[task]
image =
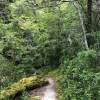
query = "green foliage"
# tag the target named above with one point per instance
(26, 96)
(7, 72)
(5, 11)
(79, 80)
(35, 34)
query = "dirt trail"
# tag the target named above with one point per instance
(46, 92)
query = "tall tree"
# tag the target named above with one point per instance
(98, 12)
(82, 24)
(89, 16)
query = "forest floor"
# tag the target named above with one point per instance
(49, 91)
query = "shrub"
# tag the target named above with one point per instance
(79, 80)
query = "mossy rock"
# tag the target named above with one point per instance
(23, 84)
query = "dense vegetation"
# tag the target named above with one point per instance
(62, 35)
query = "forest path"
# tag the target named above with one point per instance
(47, 92)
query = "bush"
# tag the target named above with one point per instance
(6, 71)
(79, 80)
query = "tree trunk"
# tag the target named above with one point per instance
(98, 12)
(82, 24)
(89, 16)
